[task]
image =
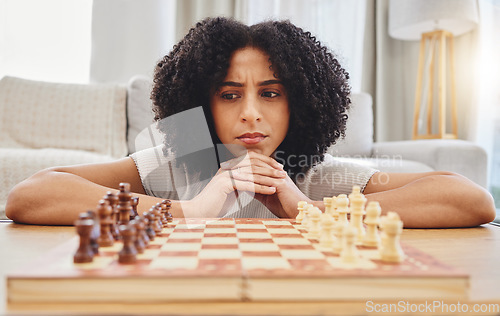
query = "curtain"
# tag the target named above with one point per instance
(128, 36)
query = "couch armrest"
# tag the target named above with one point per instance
(457, 156)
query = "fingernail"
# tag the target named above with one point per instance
(224, 165)
(280, 165)
(282, 173)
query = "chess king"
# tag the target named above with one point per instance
(251, 113)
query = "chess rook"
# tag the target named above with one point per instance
(128, 254)
(392, 227)
(84, 253)
(105, 211)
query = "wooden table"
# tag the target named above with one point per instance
(475, 250)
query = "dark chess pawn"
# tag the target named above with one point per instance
(144, 224)
(134, 202)
(139, 242)
(85, 253)
(151, 223)
(155, 218)
(113, 202)
(105, 212)
(128, 254)
(168, 205)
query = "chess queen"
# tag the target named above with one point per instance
(247, 114)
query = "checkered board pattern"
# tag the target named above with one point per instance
(259, 254)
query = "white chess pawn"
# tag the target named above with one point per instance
(372, 239)
(328, 205)
(327, 239)
(342, 207)
(357, 204)
(338, 230)
(392, 227)
(305, 219)
(349, 253)
(300, 207)
(314, 226)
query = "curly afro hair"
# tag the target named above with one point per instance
(316, 84)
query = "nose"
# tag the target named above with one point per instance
(250, 111)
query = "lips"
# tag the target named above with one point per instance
(251, 138)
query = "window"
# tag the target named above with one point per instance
(46, 40)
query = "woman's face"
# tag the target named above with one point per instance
(250, 108)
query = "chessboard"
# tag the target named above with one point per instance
(232, 260)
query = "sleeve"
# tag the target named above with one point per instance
(156, 172)
(334, 176)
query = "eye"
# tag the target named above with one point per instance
(270, 94)
(229, 96)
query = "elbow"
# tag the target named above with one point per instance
(479, 204)
(485, 209)
(21, 201)
(15, 209)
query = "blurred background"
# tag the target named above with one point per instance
(109, 41)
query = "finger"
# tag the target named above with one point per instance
(257, 170)
(258, 179)
(269, 160)
(252, 187)
(251, 158)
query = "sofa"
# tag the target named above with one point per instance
(45, 124)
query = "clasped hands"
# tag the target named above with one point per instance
(256, 174)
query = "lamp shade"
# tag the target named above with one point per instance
(408, 19)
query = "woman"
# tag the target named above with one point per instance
(276, 99)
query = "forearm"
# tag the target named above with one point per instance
(438, 201)
(57, 198)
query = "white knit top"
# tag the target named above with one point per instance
(162, 177)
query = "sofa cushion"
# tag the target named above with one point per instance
(358, 140)
(139, 110)
(36, 114)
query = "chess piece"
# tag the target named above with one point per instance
(142, 231)
(168, 205)
(151, 223)
(327, 202)
(390, 249)
(95, 232)
(104, 212)
(326, 239)
(314, 226)
(357, 201)
(349, 253)
(300, 208)
(372, 219)
(84, 253)
(139, 241)
(158, 227)
(305, 219)
(124, 205)
(338, 230)
(163, 212)
(134, 202)
(113, 202)
(128, 254)
(342, 207)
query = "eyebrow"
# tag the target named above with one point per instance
(238, 84)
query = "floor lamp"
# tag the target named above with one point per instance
(434, 23)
